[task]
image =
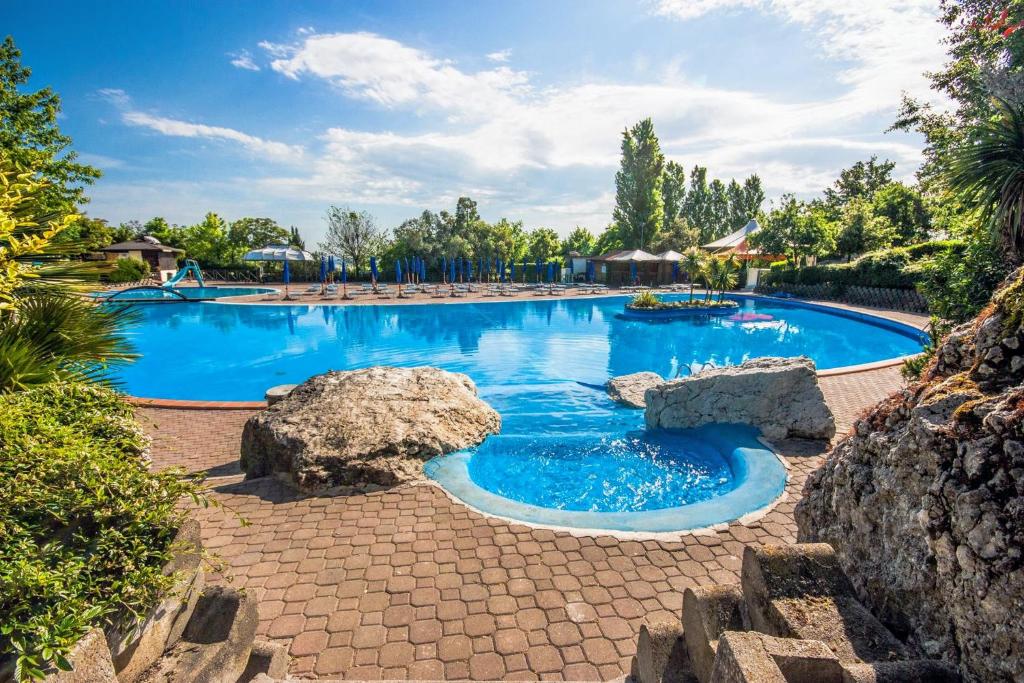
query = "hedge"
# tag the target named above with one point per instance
(896, 268)
(85, 528)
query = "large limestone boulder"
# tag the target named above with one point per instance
(371, 426)
(780, 396)
(924, 503)
(629, 389)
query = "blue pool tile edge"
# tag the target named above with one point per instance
(759, 473)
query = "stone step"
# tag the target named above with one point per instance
(661, 655)
(930, 670)
(800, 591)
(134, 650)
(749, 657)
(266, 658)
(216, 643)
(707, 613)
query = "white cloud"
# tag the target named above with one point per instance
(119, 98)
(370, 67)
(499, 56)
(243, 60)
(278, 151)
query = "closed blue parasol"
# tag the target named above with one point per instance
(323, 269)
(444, 270)
(451, 269)
(398, 271)
(287, 277)
(423, 269)
(537, 265)
(469, 270)
(344, 279)
(512, 267)
(572, 265)
(551, 271)
(632, 272)
(675, 271)
(525, 266)
(373, 269)
(501, 270)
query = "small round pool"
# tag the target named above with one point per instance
(633, 472)
(648, 482)
(154, 294)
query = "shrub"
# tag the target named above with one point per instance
(958, 284)
(128, 270)
(85, 526)
(895, 268)
(645, 300)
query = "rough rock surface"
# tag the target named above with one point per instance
(780, 396)
(372, 426)
(924, 502)
(629, 389)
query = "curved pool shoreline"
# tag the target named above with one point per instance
(760, 476)
(874, 317)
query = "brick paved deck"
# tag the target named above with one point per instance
(408, 584)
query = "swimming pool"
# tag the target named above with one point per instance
(541, 364)
(158, 294)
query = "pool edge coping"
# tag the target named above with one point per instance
(186, 404)
(747, 518)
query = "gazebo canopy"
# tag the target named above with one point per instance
(737, 241)
(279, 252)
(670, 255)
(626, 255)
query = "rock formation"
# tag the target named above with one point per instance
(924, 502)
(780, 396)
(629, 389)
(372, 426)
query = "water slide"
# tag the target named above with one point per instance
(190, 267)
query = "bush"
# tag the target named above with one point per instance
(85, 526)
(128, 270)
(896, 268)
(958, 284)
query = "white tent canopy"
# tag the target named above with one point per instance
(670, 255)
(279, 252)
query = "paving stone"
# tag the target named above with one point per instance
(349, 566)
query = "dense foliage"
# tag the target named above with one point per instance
(47, 329)
(899, 267)
(30, 137)
(85, 527)
(128, 270)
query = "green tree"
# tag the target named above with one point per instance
(862, 179)
(796, 230)
(168, 234)
(692, 264)
(86, 235)
(580, 240)
(353, 235)
(207, 241)
(905, 210)
(609, 240)
(295, 239)
(753, 198)
(255, 233)
(989, 175)
(673, 192)
(860, 230)
(544, 245)
(30, 137)
(678, 237)
(125, 232)
(697, 206)
(639, 207)
(718, 210)
(508, 240)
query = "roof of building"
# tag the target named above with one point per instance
(670, 255)
(736, 239)
(626, 255)
(141, 245)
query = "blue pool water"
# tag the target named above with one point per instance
(198, 293)
(541, 364)
(632, 472)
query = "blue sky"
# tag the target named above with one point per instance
(281, 109)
